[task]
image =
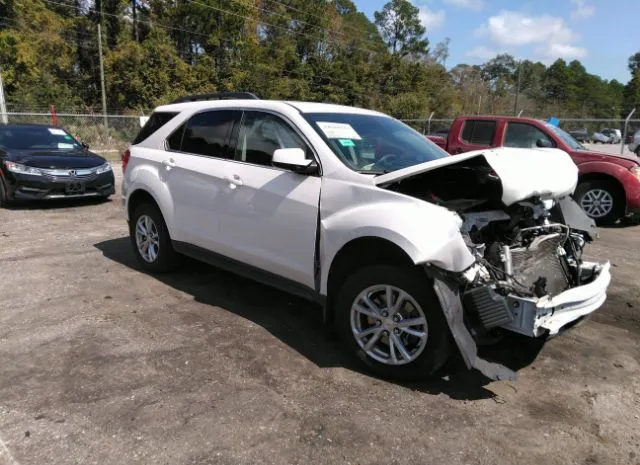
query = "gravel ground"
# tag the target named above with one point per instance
(100, 363)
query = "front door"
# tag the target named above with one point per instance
(271, 218)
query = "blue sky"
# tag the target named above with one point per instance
(601, 34)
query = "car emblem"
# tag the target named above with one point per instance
(72, 173)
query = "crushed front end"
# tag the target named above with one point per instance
(529, 276)
(525, 235)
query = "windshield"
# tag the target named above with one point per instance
(566, 137)
(373, 144)
(36, 137)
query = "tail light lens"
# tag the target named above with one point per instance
(125, 159)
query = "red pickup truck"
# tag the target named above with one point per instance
(608, 185)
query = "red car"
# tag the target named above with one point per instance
(608, 187)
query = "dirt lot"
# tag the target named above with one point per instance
(100, 363)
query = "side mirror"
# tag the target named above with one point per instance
(84, 145)
(294, 160)
(543, 143)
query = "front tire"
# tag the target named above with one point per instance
(151, 241)
(5, 202)
(390, 318)
(601, 200)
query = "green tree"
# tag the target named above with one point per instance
(401, 29)
(556, 82)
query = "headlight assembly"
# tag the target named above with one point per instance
(103, 168)
(22, 169)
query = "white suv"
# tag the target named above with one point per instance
(411, 252)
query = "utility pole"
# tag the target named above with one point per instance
(135, 20)
(104, 96)
(515, 105)
(624, 133)
(3, 107)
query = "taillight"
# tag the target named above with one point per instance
(125, 159)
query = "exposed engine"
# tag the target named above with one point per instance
(523, 250)
(520, 251)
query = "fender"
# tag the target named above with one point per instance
(603, 167)
(630, 184)
(149, 180)
(427, 233)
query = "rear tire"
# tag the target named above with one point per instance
(427, 346)
(151, 241)
(601, 200)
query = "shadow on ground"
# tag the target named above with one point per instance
(55, 204)
(298, 323)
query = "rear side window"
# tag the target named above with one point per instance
(174, 141)
(155, 122)
(207, 133)
(479, 132)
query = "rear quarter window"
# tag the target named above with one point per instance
(155, 122)
(478, 132)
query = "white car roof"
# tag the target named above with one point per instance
(303, 107)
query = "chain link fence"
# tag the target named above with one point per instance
(103, 134)
(434, 126)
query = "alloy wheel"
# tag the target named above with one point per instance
(389, 325)
(597, 203)
(147, 239)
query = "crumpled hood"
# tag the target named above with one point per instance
(523, 173)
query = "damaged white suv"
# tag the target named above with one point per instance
(411, 252)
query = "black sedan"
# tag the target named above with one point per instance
(46, 162)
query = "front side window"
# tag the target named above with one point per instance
(373, 144)
(566, 137)
(207, 134)
(524, 135)
(261, 134)
(479, 132)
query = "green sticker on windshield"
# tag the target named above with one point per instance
(347, 142)
(68, 137)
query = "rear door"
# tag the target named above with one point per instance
(195, 169)
(475, 134)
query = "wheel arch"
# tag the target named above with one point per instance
(357, 253)
(141, 195)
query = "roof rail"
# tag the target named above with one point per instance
(217, 96)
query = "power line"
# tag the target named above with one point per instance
(221, 10)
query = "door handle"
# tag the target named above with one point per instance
(168, 164)
(234, 181)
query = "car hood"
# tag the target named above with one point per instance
(523, 173)
(52, 159)
(627, 161)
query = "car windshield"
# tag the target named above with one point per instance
(36, 137)
(566, 137)
(373, 144)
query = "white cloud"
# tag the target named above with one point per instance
(484, 53)
(431, 19)
(551, 35)
(469, 4)
(513, 28)
(582, 9)
(566, 51)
